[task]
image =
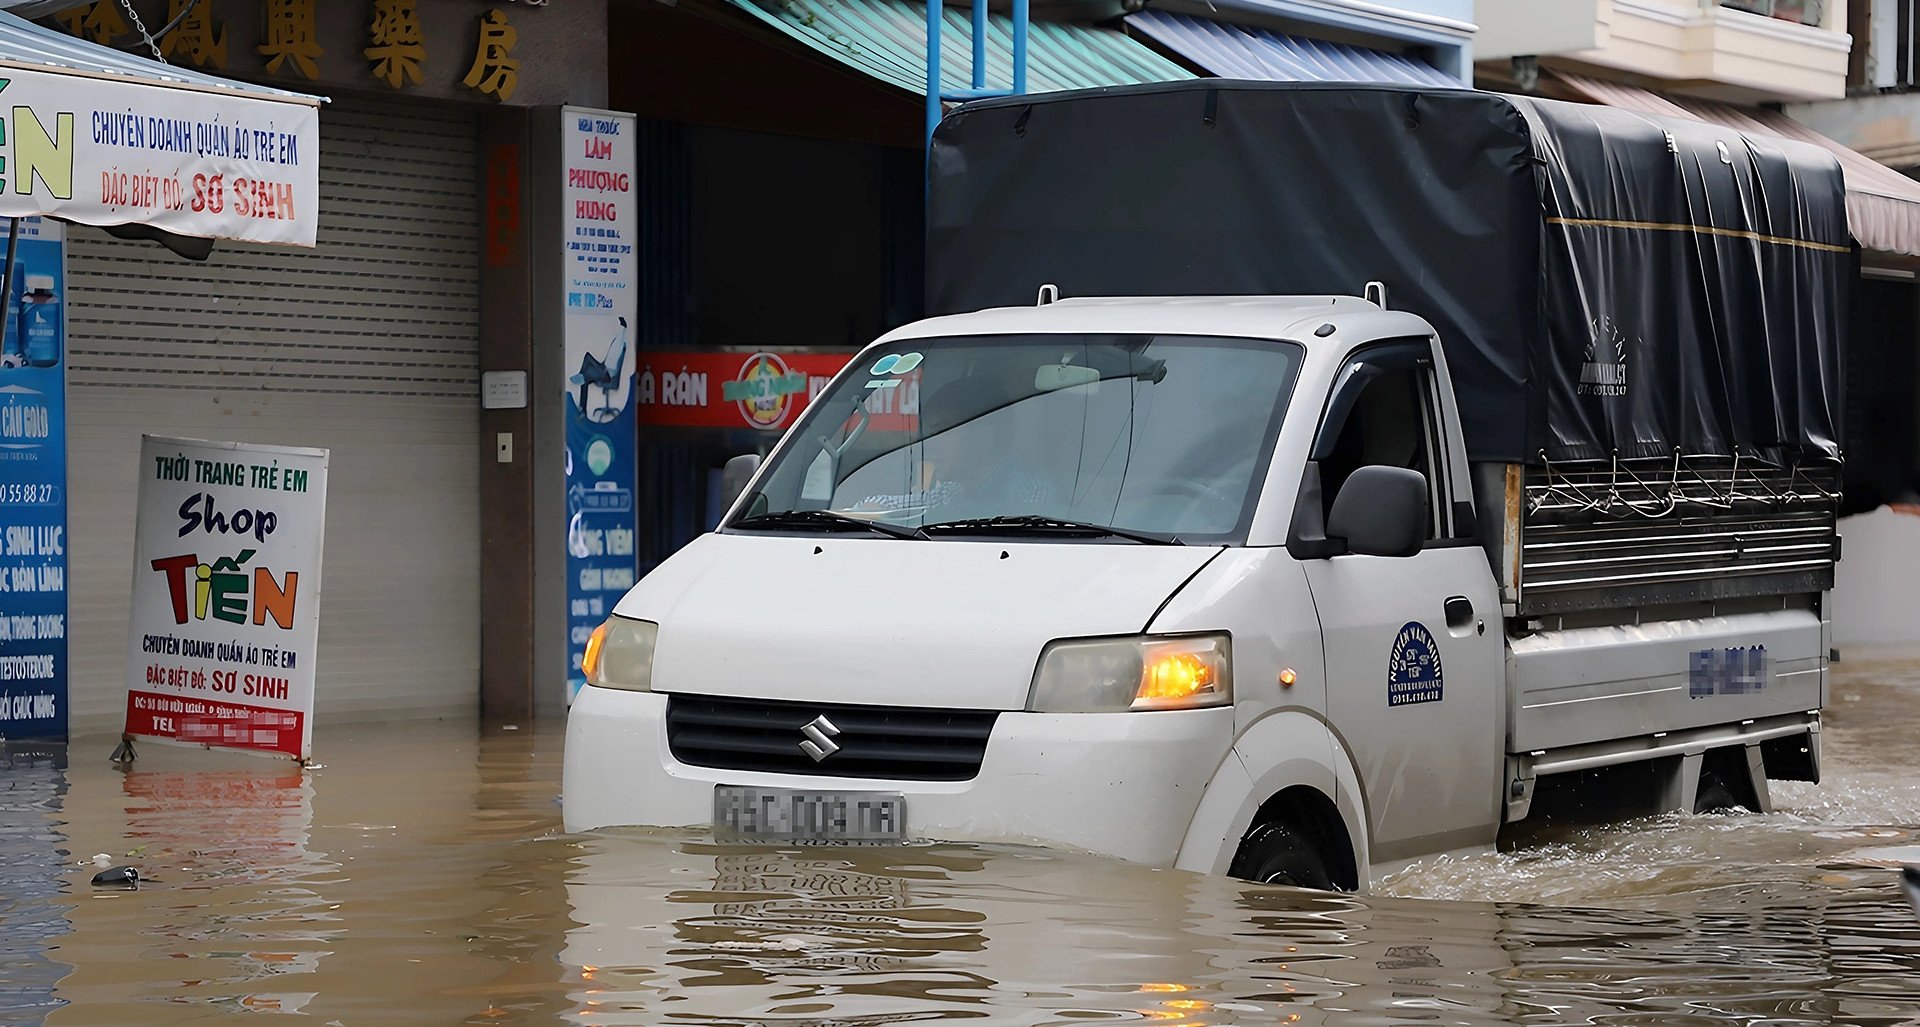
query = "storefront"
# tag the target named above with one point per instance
(782, 209)
(369, 344)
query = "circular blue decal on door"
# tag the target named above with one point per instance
(1413, 668)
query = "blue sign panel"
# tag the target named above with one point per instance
(602, 285)
(1413, 668)
(600, 513)
(33, 489)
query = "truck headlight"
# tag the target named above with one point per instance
(1148, 672)
(620, 654)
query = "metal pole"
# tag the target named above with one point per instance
(6, 279)
(936, 15)
(979, 44)
(1019, 47)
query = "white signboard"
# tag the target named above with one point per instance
(602, 280)
(226, 595)
(215, 165)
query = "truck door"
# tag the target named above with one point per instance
(1414, 648)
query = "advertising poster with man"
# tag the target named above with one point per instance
(226, 595)
(33, 486)
(602, 285)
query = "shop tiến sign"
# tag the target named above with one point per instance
(226, 595)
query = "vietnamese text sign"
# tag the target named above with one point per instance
(33, 489)
(226, 594)
(193, 162)
(601, 227)
(733, 390)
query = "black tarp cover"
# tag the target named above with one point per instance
(1605, 283)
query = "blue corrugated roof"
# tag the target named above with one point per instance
(887, 39)
(27, 45)
(1244, 52)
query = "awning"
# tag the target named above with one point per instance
(1883, 205)
(1243, 52)
(887, 39)
(101, 137)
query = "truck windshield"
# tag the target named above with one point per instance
(1150, 436)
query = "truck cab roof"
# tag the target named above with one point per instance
(1294, 318)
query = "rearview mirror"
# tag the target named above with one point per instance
(1054, 377)
(734, 478)
(1381, 511)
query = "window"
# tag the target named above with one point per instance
(1386, 417)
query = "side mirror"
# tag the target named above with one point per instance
(1381, 511)
(734, 478)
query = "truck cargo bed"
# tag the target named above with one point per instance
(1601, 536)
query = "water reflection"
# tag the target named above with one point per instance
(421, 877)
(799, 937)
(33, 910)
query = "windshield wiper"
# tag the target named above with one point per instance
(1035, 524)
(822, 520)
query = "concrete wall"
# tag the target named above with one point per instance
(1876, 600)
(1885, 127)
(1722, 53)
(1515, 28)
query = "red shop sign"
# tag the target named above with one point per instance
(765, 390)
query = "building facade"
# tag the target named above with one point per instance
(369, 345)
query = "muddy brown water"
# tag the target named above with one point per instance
(420, 876)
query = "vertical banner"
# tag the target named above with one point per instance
(600, 228)
(226, 595)
(33, 487)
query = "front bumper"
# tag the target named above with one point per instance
(1120, 784)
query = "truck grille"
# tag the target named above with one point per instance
(898, 742)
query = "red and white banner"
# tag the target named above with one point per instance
(216, 165)
(765, 390)
(226, 595)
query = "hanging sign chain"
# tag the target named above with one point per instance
(141, 27)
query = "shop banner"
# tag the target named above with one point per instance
(33, 488)
(766, 391)
(601, 228)
(226, 595)
(192, 162)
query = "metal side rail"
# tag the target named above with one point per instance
(1685, 747)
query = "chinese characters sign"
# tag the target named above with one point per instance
(601, 287)
(226, 594)
(290, 36)
(300, 40)
(398, 44)
(194, 37)
(495, 72)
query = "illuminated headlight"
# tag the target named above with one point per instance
(620, 654)
(1149, 672)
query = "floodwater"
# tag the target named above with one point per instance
(420, 876)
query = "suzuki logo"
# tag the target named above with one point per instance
(819, 742)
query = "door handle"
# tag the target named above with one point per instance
(1459, 612)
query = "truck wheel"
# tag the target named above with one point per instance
(1724, 784)
(1279, 853)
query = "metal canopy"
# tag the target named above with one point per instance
(1883, 205)
(887, 40)
(1245, 52)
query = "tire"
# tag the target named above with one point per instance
(1723, 784)
(1280, 853)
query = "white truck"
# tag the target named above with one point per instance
(1272, 581)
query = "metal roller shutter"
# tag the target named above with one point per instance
(367, 346)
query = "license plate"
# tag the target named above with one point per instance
(784, 814)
